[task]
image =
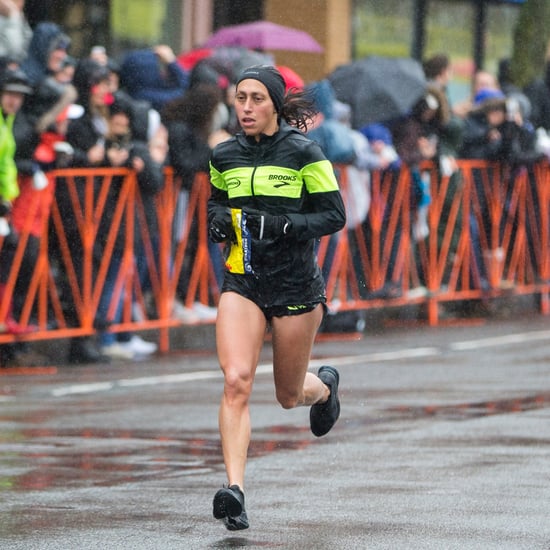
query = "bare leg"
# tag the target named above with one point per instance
(240, 332)
(293, 338)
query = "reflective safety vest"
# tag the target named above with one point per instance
(8, 171)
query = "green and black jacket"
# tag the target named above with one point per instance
(284, 174)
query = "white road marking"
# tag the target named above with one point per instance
(265, 368)
(506, 339)
(376, 357)
(167, 379)
(83, 388)
(262, 369)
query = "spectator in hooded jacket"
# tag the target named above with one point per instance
(47, 50)
(47, 57)
(492, 133)
(154, 75)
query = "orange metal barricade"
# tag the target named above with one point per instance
(489, 235)
(66, 286)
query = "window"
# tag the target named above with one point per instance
(501, 24)
(382, 28)
(450, 30)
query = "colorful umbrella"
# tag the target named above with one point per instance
(264, 35)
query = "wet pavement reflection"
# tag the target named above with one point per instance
(439, 449)
(65, 457)
(471, 410)
(45, 458)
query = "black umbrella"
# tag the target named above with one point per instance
(378, 88)
(227, 60)
(238, 59)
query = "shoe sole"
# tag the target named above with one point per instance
(238, 523)
(226, 505)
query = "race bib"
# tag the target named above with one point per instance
(238, 260)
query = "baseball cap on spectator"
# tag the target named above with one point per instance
(489, 99)
(377, 132)
(15, 80)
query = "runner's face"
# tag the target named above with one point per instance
(255, 110)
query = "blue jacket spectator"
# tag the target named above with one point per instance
(153, 75)
(383, 153)
(334, 138)
(491, 132)
(47, 38)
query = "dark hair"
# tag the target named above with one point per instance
(435, 65)
(195, 107)
(121, 105)
(442, 112)
(299, 108)
(88, 73)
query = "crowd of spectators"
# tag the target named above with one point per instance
(495, 124)
(59, 112)
(146, 111)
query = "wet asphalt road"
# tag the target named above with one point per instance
(443, 443)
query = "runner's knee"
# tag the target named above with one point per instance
(288, 399)
(237, 385)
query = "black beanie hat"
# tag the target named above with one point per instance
(271, 78)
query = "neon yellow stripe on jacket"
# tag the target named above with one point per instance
(275, 181)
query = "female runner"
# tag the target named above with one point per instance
(273, 194)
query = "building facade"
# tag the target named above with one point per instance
(474, 33)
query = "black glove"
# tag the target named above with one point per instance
(220, 226)
(5, 207)
(11, 240)
(266, 226)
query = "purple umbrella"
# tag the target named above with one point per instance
(264, 35)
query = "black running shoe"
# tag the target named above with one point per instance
(322, 416)
(228, 506)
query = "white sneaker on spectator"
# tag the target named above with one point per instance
(185, 314)
(205, 313)
(117, 350)
(139, 346)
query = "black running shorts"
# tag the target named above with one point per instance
(276, 297)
